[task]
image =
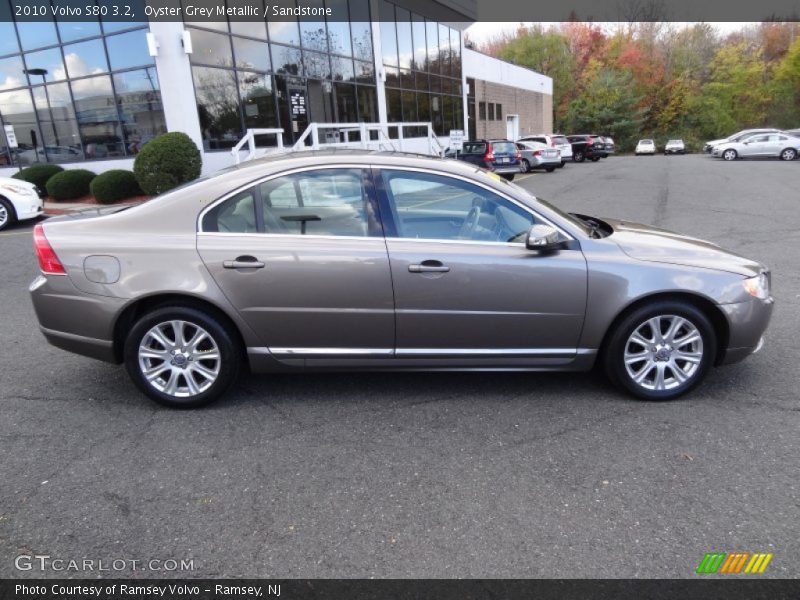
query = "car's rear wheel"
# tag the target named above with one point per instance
(526, 166)
(595, 158)
(789, 154)
(7, 215)
(729, 154)
(181, 357)
(578, 157)
(508, 176)
(549, 169)
(661, 351)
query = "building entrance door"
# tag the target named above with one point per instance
(512, 127)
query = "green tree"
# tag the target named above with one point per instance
(608, 106)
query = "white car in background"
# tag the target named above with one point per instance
(760, 145)
(19, 201)
(675, 147)
(645, 147)
(554, 140)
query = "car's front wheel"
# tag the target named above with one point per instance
(661, 351)
(181, 357)
(789, 154)
(729, 154)
(6, 214)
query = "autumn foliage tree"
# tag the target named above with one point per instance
(660, 80)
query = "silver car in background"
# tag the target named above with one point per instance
(740, 135)
(760, 145)
(345, 260)
(554, 140)
(536, 155)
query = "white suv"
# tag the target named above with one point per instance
(19, 200)
(554, 140)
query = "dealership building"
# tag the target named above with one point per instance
(92, 93)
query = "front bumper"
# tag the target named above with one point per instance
(747, 323)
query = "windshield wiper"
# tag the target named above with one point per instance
(593, 225)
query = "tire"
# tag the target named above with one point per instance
(678, 375)
(578, 157)
(507, 176)
(526, 166)
(211, 376)
(730, 154)
(549, 169)
(788, 154)
(7, 214)
(561, 165)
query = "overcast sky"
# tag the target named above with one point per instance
(484, 31)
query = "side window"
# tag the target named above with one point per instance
(438, 207)
(322, 202)
(235, 215)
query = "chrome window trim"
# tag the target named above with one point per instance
(259, 181)
(514, 201)
(255, 182)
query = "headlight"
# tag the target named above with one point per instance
(758, 286)
(18, 189)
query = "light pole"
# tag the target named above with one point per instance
(43, 74)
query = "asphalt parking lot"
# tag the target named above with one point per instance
(426, 475)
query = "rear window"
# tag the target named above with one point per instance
(474, 148)
(504, 148)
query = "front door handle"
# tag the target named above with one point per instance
(243, 262)
(429, 266)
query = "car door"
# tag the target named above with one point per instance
(466, 288)
(302, 257)
(755, 145)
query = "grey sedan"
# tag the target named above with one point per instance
(345, 260)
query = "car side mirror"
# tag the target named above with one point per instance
(543, 237)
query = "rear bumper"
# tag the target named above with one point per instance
(507, 169)
(74, 320)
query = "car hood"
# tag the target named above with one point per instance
(715, 142)
(17, 182)
(652, 244)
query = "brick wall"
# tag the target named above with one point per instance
(535, 110)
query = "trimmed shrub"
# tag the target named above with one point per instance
(70, 184)
(167, 161)
(114, 185)
(38, 174)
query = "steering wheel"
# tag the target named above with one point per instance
(501, 229)
(470, 223)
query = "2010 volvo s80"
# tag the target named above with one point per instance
(361, 260)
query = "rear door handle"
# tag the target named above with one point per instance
(429, 266)
(243, 262)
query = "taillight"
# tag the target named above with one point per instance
(590, 142)
(519, 155)
(48, 261)
(537, 152)
(489, 156)
(553, 143)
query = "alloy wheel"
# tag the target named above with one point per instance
(729, 155)
(663, 353)
(3, 216)
(789, 154)
(179, 358)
